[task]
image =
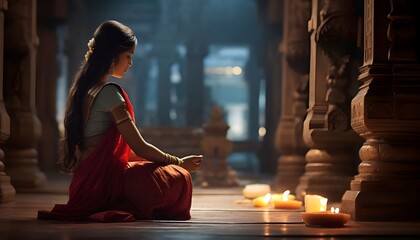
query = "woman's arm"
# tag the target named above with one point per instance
(137, 143)
(148, 151)
(126, 126)
(121, 117)
(110, 99)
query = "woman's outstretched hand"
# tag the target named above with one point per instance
(192, 162)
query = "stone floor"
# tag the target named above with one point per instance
(215, 215)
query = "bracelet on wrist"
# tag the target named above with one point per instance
(170, 159)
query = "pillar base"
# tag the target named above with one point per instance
(381, 206)
(22, 167)
(327, 173)
(386, 188)
(7, 191)
(291, 167)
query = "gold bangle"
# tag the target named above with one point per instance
(172, 160)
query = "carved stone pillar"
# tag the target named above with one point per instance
(386, 112)
(80, 30)
(7, 191)
(21, 44)
(295, 65)
(46, 80)
(194, 74)
(332, 158)
(195, 41)
(216, 148)
(165, 58)
(253, 77)
(141, 71)
(271, 17)
(165, 52)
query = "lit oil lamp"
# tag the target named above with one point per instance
(286, 203)
(263, 201)
(330, 219)
(315, 203)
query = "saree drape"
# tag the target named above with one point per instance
(106, 187)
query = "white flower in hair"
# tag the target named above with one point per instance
(91, 46)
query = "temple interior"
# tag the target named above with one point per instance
(315, 97)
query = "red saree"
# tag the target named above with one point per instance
(106, 188)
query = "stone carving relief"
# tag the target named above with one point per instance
(16, 52)
(297, 55)
(298, 45)
(337, 37)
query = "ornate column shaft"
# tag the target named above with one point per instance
(271, 16)
(386, 112)
(295, 74)
(165, 58)
(46, 80)
(194, 74)
(253, 76)
(332, 158)
(7, 191)
(195, 40)
(21, 44)
(165, 51)
(141, 70)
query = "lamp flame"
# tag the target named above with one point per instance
(267, 198)
(323, 204)
(335, 210)
(286, 195)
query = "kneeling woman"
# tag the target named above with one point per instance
(117, 175)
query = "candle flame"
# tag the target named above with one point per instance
(286, 195)
(267, 198)
(335, 210)
(323, 202)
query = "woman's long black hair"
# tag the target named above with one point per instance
(110, 39)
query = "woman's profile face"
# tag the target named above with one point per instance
(124, 62)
